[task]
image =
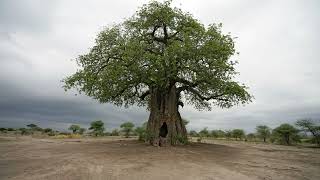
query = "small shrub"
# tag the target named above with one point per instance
(181, 139)
(115, 132)
(193, 133)
(199, 139)
(24, 131)
(141, 132)
(67, 136)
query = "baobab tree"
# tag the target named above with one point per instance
(161, 58)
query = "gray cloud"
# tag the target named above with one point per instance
(31, 16)
(278, 60)
(19, 107)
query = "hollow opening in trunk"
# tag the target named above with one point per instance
(163, 130)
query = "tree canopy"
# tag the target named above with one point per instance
(158, 47)
(238, 133)
(97, 127)
(286, 134)
(308, 125)
(74, 128)
(263, 132)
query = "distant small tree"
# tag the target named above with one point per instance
(24, 131)
(193, 133)
(81, 130)
(127, 127)
(204, 132)
(34, 127)
(217, 133)
(228, 134)
(115, 132)
(263, 132)
(214, 133)
(47, 130)
(74, 128)
(97, 128)
(3, 129)
(308, 125)
(238, 133)
(107, 133)
(251, 137)
(285, 134)
(221, 133)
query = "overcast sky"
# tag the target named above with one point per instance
(278, 43)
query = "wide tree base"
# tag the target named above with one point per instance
(165, 126)
(166, 133)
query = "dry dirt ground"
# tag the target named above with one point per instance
(104, 158)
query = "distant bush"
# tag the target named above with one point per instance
(228, 134)
(3, 130)
(199, 139)
(181, 140)
(47, 130)
(217, 133)
(238, 134)
(67, 136)
(193, 133)
(251, 137)
(82, 130)
(141, 132)
(24, 131)
(204, 132)
(107, 134)
(115, 132)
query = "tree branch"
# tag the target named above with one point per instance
(188, 84)
(144, 95)
(207, 98)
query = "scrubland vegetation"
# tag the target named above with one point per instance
(305, 131)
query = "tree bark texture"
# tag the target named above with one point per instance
(165, 126)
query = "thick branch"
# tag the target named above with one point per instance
(156, 38)
(180, 103)
(144, 95)
(188, 84)
(207, 98)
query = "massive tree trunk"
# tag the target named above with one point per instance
(165, 126)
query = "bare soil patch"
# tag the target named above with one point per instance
(116, 158)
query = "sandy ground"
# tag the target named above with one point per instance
(104, 158)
